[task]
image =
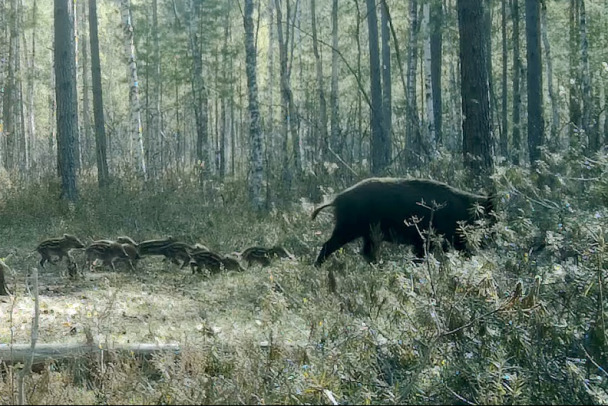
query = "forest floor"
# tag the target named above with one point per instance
(157, 303)
(517, 322)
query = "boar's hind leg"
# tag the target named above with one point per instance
(369, 249)
(337, 240)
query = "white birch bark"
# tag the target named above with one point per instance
(2, 82)
(136, 146)
(322, 125)
(335, 115)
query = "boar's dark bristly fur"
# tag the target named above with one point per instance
(389, 203)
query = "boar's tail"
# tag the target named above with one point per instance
(318, 209)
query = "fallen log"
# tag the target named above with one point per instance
(19, 353)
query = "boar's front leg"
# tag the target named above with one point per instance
(339, 237)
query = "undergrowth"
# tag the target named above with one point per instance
(522, 321)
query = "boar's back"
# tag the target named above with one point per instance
(390, 201)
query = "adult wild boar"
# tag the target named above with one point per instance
(389, 203)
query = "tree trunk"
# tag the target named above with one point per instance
(336, 133)
(232, 115)
(593, 141)
(359, 94)
(380, 147)
(387, 84)
(224, 122)
(257, 168)
(85, 140)
(414, 143)
(22, 144)
(52, 104)
(322, 125)
(271, 137)
(199, 92)
(31, 122)
(137, 141)
(575, 97)
(294, 121)
(487, 11)
(10, 91)
(67, 108)
(504, 133)
(429, 133)
(103, 176)
(516, 86)
(74, 13)
(477, 141)
(154, 131)
(436, 63)
(555, 141)
(536, 125)
(285, 94)
(2, 83)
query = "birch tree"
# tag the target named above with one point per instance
(387, 84)
(155, 151)
(2, 82)
(322, 125)
(31, 114)
(336, 141)
(10, 90)
(136, 145)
